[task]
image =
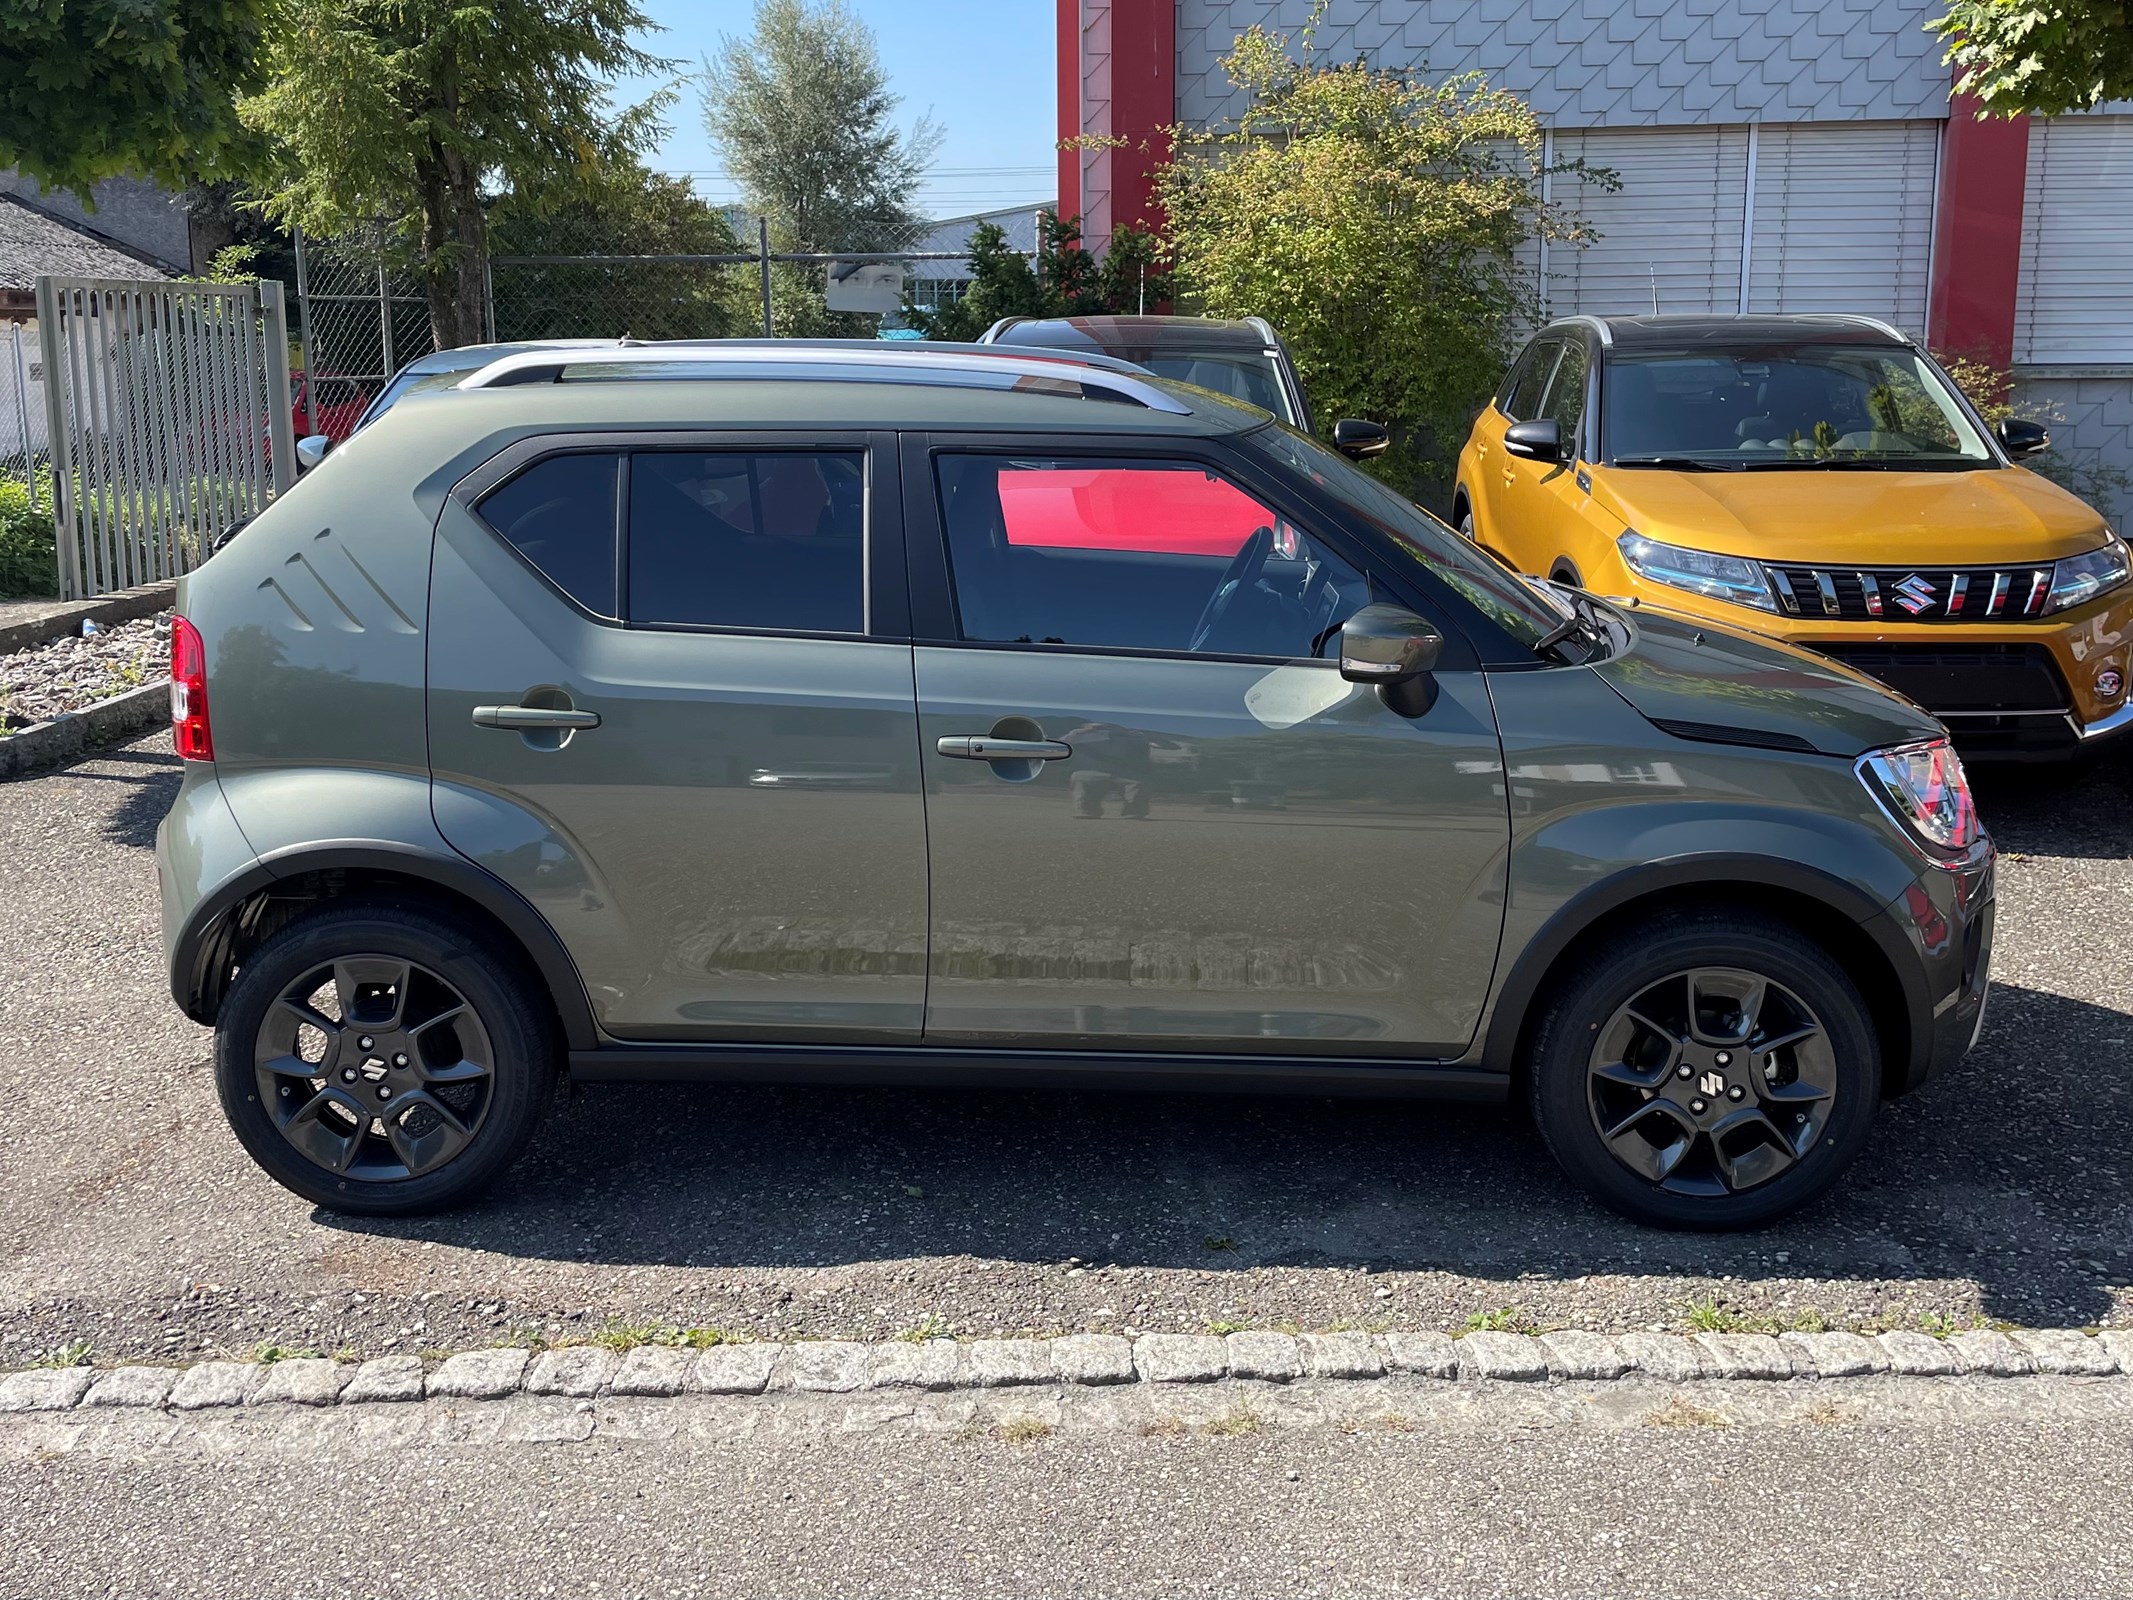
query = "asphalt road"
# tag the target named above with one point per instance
(1766, 1493)
(132, 1221)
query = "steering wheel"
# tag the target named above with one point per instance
(1243, 569)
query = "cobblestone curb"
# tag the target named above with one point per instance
(48, 744)
(830, 1366)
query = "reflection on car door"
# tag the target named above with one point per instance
(737, 847)
(1201, 836)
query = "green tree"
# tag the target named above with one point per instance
(622, 209)
(800, 109)
(93, 88)
(1061, 280)
(421, 111)
(1376, 218)
(2046, 56)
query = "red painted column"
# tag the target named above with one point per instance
(1143, 104)
(1067, 17)
(1977, 234)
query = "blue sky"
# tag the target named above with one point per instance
(983, 69)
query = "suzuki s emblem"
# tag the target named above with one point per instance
(1914, 594)
(1712, 1083)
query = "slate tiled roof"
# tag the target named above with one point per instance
(1596, 63)
(33, 244)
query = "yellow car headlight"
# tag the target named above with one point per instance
(1732, 578)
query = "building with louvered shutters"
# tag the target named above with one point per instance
(1775, 155)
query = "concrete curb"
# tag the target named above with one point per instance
(830, 1366)
(65, 738)
(124, 606)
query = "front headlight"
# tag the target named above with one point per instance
(1698, 571)
(1925, 787)
(2080, 579)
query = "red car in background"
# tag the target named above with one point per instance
(340, 404)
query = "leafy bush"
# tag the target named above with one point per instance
(2081, 473)
(29, 555)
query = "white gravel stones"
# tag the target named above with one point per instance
(1179, 1357)
(830, 1366)
(1513, 1356)
(1584, 1355)
(1990, 1353)
(214, 1383)
(132, 1386)
(72, 672)
(1744, 1355)
(303, 1381)
(1918, 1355)
(387, 1379)
(2064, 1353)
(1665, 1356)
(914, 1364)
(1835, 1355)
(996, 1363)
(47, 1389)
(654, 1369)
(579, 1371)
(1093, 1358)
(737, 1368)
(1341, 1355)
(479, 1374)
(1269, 1357)
(1426, 1355)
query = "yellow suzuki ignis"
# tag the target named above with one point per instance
(1819, 479)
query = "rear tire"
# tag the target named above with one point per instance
(385, 1060)
(1705, 1071)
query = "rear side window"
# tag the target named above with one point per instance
(560, 515)
(748, 539)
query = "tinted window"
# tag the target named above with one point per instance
(1251, 378)
(1135, 554)
(748, 539)
(1522, 390)
(1565, 400)
(560, 515)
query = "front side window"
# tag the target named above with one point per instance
(1134, 554)
(1565, 399)
(1529, 376)
(1786, 406)
(771, 539)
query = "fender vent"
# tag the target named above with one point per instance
(1720, 733)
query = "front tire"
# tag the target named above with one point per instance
(384, 1060)
(1705, 1071)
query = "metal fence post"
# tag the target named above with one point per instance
(22, 411)
(281, 426)
(55, 405)
(762, 234)
(385, 320)
(303, 317)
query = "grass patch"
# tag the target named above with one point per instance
(1221, 1329)
(1678, 1413)
(1711, 1315)
(1163, 1428)
(1233, 1423)
(623, 1337)
(267, 1354)
(1504, 1319)
(1023, 1430)
(931, 1326)
(74, 1353)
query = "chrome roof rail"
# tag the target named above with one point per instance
(546, 366)
(1607, 337)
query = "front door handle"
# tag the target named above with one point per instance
(520, 719)
(984, 747)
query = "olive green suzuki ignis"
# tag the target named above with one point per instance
(956, 715)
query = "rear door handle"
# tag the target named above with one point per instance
(520, 718)
(984, 747)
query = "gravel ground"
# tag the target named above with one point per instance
(69, 673)
(134, 1224)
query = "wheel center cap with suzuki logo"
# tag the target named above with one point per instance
(1712, 1083)
(1914, 594)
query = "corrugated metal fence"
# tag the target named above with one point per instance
(168, 415)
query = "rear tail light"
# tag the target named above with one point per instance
(188, 692)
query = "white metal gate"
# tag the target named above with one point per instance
(168, 413)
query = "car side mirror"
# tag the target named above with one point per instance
(1388, 645)
(2020, 437)
(1357, 439)
(311, 450)
(1540, 440)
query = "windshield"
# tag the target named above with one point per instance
(1527, 613)
(1786, 406)
(408, 383)
(1251, 378)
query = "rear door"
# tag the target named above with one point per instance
(670, 702)
(1202, 838)
(1493, 488)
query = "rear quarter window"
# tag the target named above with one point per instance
(560, 515)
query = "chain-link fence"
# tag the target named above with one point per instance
(361, 320)
(23, 448)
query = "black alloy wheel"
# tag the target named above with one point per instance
(1704, 1070)
(385, 1060)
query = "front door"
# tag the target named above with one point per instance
(1158, 816)
(670, 702)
